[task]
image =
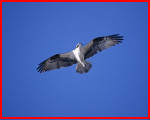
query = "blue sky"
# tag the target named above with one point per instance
(117, 84)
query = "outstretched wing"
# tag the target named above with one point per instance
(57, 61)
(99, 44)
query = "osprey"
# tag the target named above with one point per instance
(80, 54)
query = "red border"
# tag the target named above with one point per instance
(1, 61)
(66, 117)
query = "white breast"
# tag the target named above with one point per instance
(76, 52)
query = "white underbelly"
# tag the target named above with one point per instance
(76, 52)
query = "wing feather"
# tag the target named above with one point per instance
(100, 43)
(57, 61)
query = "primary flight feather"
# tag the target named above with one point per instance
(80, 54)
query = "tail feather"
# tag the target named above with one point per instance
(81, 69)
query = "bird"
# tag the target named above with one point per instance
(80, 54)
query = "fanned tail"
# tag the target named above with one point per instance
(80, 69)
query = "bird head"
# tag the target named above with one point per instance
(78, 45)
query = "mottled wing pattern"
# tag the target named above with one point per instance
(57, 61)
(99, 44)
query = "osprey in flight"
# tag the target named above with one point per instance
(80, 54)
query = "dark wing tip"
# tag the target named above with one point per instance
(41, 67)
(116, 37)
